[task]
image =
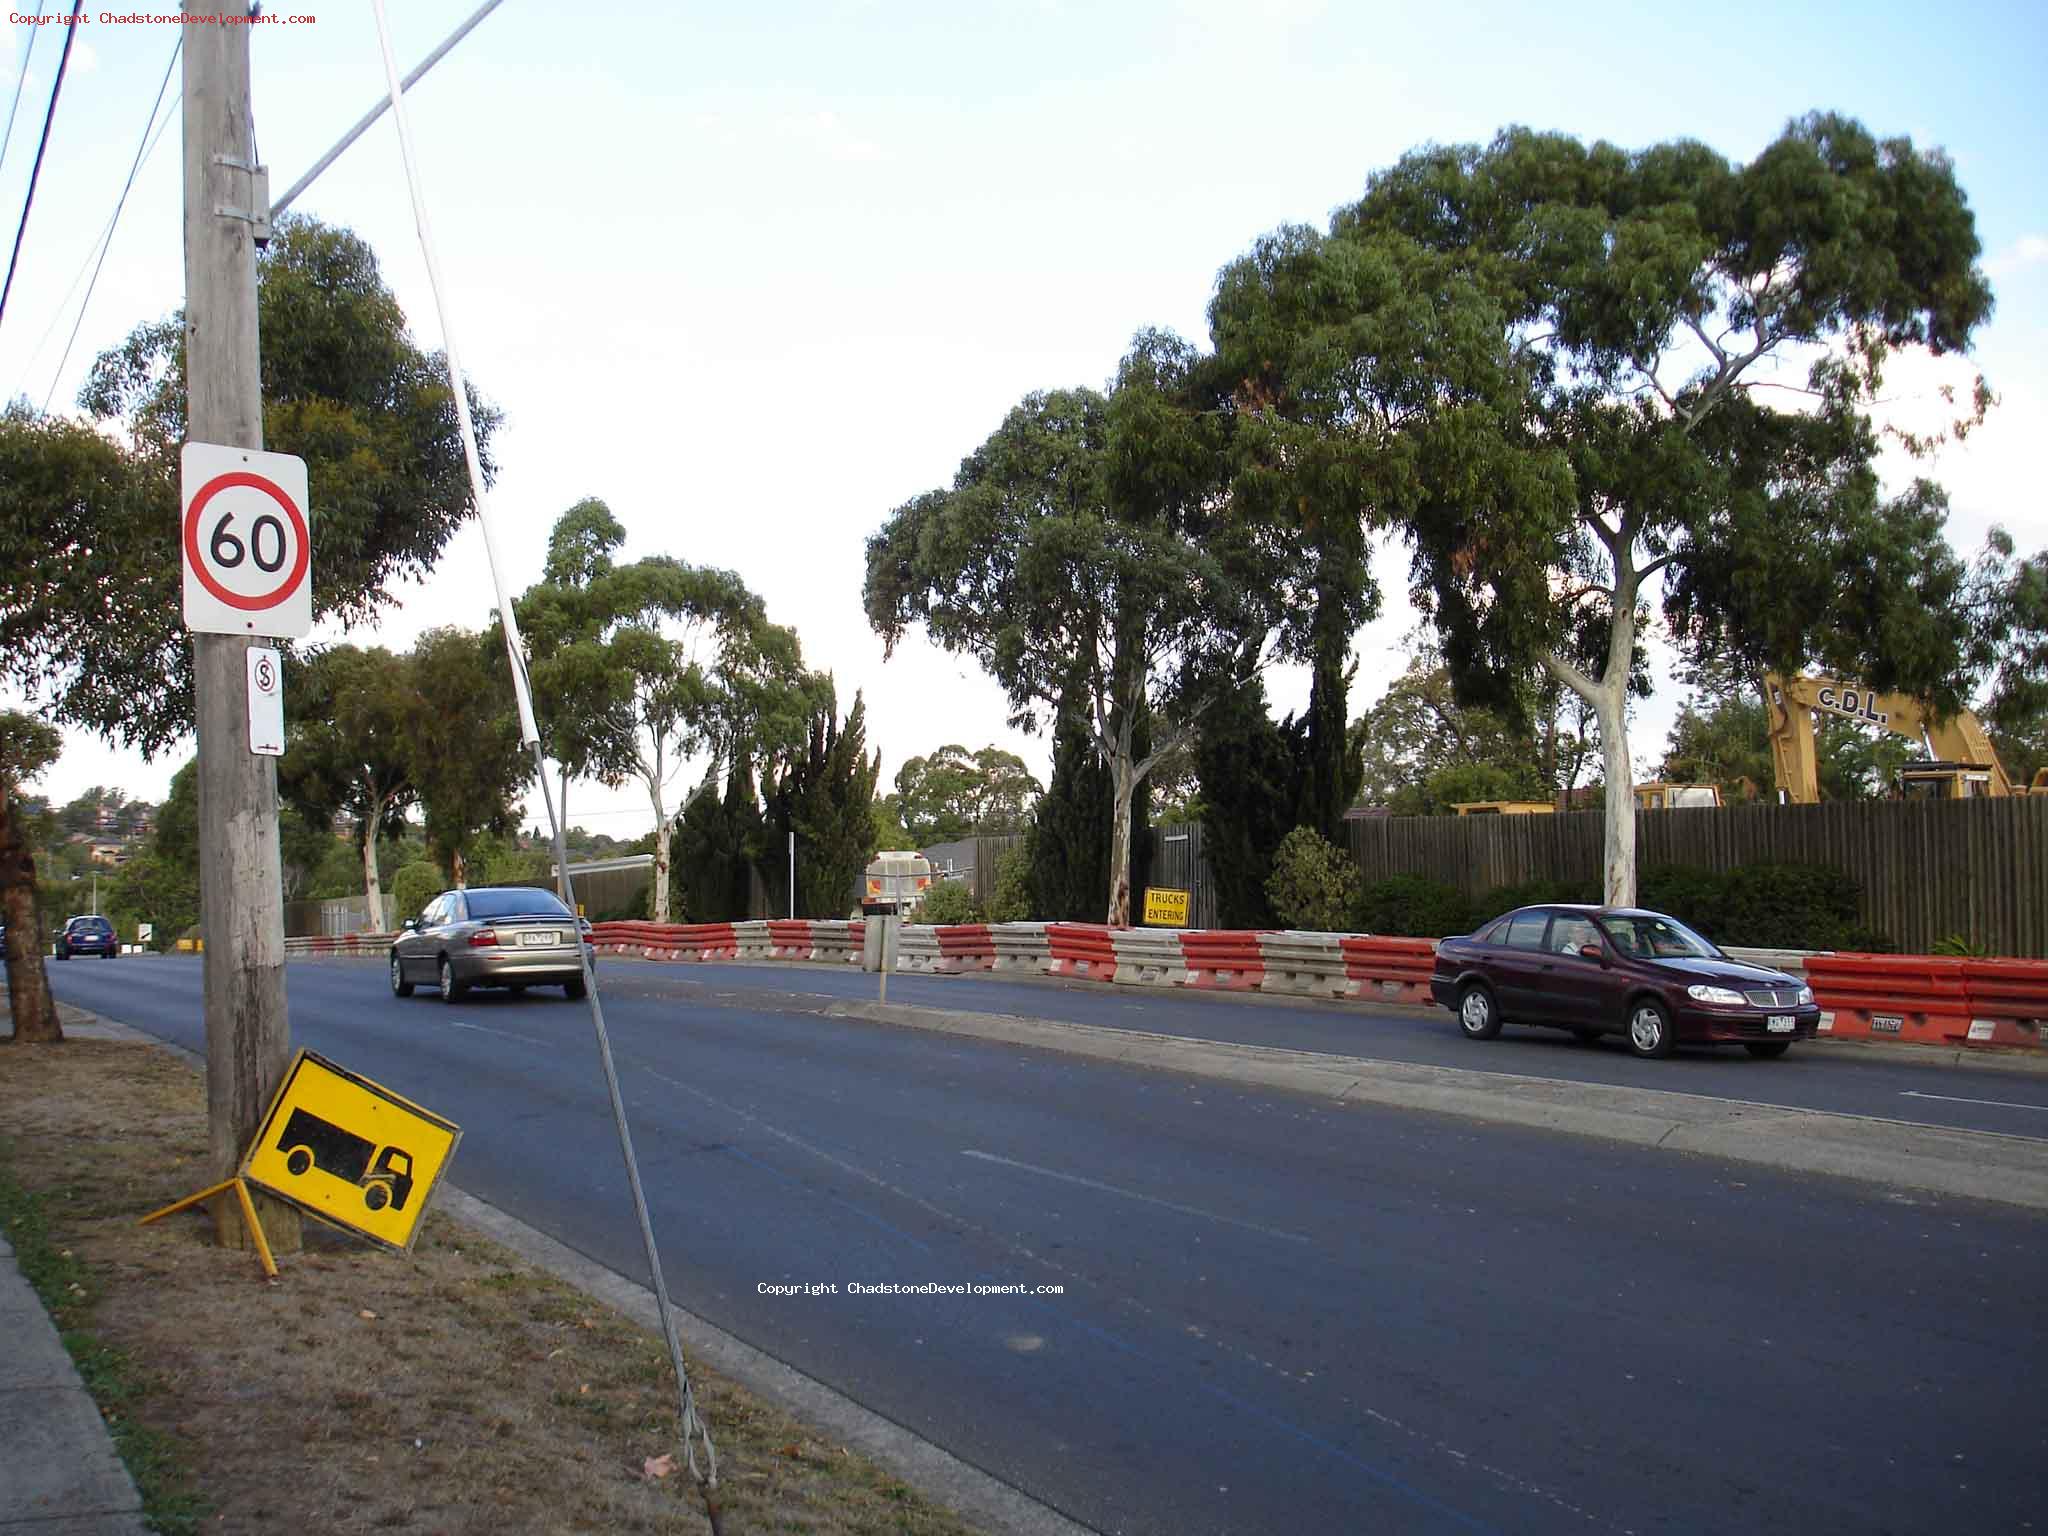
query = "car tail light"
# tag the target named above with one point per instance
(483, 939)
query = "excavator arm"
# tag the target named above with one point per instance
(1958, 740)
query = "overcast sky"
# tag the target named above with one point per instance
(757, 279)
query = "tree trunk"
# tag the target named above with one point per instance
(662, 829)
(373, 890)
(458, 866)
(28, 986)
(1122, 782)
(1618, 881)
(1609, 698)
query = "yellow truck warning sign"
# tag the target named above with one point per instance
(1165, 908)
(351, 1151)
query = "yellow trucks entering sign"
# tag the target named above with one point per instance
(1165, 908)
(351, 1151)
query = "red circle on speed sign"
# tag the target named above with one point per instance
(257, 600)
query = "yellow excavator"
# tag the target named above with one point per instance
(1964, 766)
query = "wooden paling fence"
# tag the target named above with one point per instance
(1928, 869)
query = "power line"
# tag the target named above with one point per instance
(63, 62)
(105, 234)
(106, 245)
(21, 80)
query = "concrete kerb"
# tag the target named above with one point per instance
(982, 1498)
(1982, 1165)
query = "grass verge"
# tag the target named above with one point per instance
(456, 1390)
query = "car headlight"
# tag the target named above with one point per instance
(1806, 997)
(1726, 997)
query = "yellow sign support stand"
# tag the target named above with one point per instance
(344, 1149)
(248, 1214)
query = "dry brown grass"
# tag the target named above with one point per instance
(457, 1390)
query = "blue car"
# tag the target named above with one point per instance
(88, 936)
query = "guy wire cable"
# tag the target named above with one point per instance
(694, 1430)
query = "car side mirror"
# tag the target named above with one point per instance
(409, 925)
(1593, 952)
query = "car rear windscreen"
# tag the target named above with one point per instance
(514, 903)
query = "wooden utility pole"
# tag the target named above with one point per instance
(241, 892)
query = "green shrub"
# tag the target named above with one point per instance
(948, 901)
(1787, 906)
(1314, 885)
(1960, 946)
(515, 866)
(1011, 902)
(1696, 897)
(1531, 892)
(414, 886)
(1412, 906)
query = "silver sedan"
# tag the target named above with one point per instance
(493, 936)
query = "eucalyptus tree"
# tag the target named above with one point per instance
(468, 763)
(90, 610)
(644, 668)
(351, 718)
(1696, 349)
(1344, 369)
(953, 793)
(90, 524)
(27, 747)
(580, 701)
(1089, 533)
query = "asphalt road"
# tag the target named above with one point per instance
(1277, 1314)
(1885, 1082)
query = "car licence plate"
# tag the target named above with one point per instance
(548, 936)
(1779, 1024)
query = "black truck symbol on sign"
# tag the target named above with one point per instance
(385, 1174)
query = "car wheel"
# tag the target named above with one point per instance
(576, 989)
(1586, 1034)
(451, 989)
(376, 1197)
(1477, 1019)
(114, 953)
(63, 953)
(1649, 1029)
(400, 987)
(1767, 1050)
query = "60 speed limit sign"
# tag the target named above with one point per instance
(248, 552)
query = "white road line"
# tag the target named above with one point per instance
(1914, 1093)
(1132, 1194)
(485, 1029)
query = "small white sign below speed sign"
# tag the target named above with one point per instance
(248, 549)
(266, 701)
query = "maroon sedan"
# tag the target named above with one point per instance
(1606, 970)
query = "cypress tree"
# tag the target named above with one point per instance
(1248, 768)
(1070, 853)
